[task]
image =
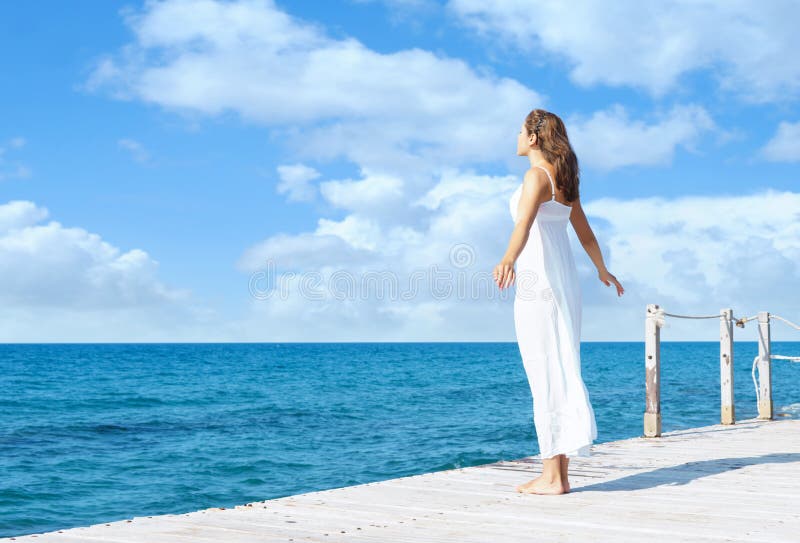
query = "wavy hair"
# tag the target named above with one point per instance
(556, 148)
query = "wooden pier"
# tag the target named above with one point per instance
(725, 482)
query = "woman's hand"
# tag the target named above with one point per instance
(607, 278)
(504, 274)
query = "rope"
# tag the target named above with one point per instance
(755, 363)
(784, 320)
(693, 316)
(658, 315)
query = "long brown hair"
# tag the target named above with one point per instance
(555, 146)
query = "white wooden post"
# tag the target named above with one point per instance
(764, 367)
(727, 413)
(652, 365)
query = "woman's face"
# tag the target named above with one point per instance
(523, 141)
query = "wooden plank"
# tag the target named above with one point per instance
(716, 483)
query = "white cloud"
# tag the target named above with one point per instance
(19, 214)
(784, 146)
(414, 122)
(135, 148)
(454, 183)
(358, 232)
(342, 98)
(49, 264)
(451, 227)
(300, 252)
(335, 97)
(698, 254)
(692, 255)
(652, 46)
(296, 182)
(67, 284)
(372, 194)
(611, 139)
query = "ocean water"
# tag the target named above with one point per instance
(93, 433)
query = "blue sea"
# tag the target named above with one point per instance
(93, 433)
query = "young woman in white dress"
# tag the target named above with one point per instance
(547, 302)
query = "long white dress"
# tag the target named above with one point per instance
(547, 320)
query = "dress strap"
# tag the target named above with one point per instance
(552, 185)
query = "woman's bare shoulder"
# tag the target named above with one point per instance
(536, 179)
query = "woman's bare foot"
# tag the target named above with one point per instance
(542, 485)
(565, 472)
(553, 479)
(524, 486)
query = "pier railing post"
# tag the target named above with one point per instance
(652, 364)
(764, 367)
(727, 413)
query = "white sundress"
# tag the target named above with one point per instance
(547, 321)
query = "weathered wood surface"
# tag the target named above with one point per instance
(727, 407)
(652, 374)
(736, 482)
(764, 367)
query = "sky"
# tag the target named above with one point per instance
(257, 170)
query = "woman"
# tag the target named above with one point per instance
(547, 301)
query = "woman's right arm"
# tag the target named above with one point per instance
(587, 238)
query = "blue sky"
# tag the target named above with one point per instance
(153, 156)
